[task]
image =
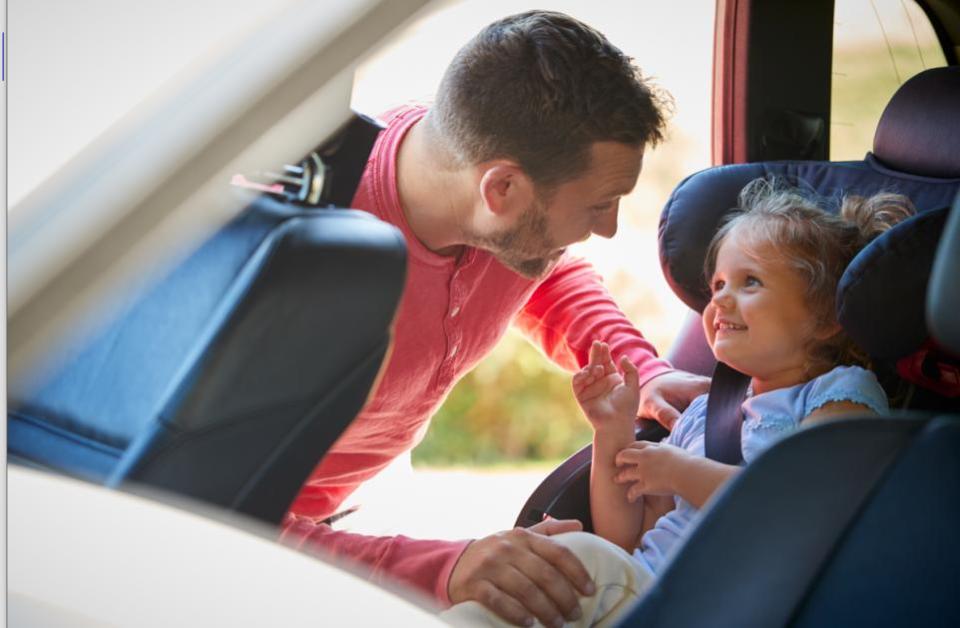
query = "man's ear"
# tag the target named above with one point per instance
(505, 188)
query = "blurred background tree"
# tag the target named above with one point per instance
(513, 406)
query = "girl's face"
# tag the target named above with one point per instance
(758, 321)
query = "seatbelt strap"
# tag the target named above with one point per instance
(724, 416)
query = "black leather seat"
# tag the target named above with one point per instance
(852, 522)
(228, 378)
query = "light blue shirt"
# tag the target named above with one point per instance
(767, 418)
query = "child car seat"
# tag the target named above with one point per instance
(867, 534)
(848, 523)
(914, 154)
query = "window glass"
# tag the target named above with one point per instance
(877, 45)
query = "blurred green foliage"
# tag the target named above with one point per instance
(515, 405)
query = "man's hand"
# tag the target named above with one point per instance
(667, 395)
(650, 468)
(603, 393)
(521, 574)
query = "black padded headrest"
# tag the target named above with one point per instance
(943, 295)
(881, 297)
(919, 131)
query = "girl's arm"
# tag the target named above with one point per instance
(610, 402)
(662, 469)
(615, 518)
(701, 479)
(834, 410)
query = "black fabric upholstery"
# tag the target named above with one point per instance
(919, 130)
(230, 377)
(690, 351)
(762, 541)
(943, 295)
(890, 276)
(899, 563)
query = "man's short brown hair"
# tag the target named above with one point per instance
(540, 88)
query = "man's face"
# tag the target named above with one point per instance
(572, 212)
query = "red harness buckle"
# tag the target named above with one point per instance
(932, 369)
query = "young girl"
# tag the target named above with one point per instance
(773, 269)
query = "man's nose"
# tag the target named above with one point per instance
(605, 225)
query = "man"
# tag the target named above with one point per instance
(538, 130)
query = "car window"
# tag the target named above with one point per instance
(877, 45)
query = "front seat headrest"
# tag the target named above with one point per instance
(919, 131)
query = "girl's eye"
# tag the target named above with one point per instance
(717, 285)
(602, 208)
(752, 281)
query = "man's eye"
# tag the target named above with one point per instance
(602, 208)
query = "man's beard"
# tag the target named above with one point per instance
(525, 248)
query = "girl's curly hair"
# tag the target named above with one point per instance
(815, 243)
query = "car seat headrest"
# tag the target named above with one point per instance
(698, 204)
(881, 297)
(943, 293)
(919, 131)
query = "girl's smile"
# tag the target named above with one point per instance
(758, 320)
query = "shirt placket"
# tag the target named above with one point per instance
(452, 327)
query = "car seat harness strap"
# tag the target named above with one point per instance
(724, 415)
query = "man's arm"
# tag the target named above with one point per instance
(522, 575)
(571, 308)
(518, 574)
(423, 566)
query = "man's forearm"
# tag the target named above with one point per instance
(422, 565)
(571, 308)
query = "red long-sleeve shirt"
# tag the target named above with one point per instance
(452, 313)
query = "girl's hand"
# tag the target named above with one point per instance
(603, 393)
(651, 468)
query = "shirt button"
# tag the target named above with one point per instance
(454, 312)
